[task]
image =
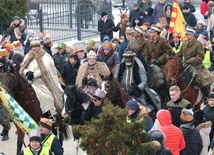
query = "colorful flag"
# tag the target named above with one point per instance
(177, 21)
(19, 116)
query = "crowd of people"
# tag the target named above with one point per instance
(143, 41)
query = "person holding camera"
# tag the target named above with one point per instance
(16, 30)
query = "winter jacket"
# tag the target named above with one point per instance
(190, 5)
(136, 15)
(60, 60)
(190, 19)
(204, 8)
(149, 18)
(174, 136)
(175, 109)
(204, 130)
(106, 28)
(159, 11)
(192, 138)
(122, 49)
(145, 5)
(70, 73)
(111, 59)
(209, 116)
(202, 31)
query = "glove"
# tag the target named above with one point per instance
(157, 62)
(84, 81)
(30, 75)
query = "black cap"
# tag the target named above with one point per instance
(103, 14)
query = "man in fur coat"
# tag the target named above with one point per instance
(38, 67)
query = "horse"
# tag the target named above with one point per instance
(175, 75)
(73, 105)
(25, 95)
(117, 96)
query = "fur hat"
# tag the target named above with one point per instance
(91, 54)
(91, 42)
(186, 115)
(132, 104)
(190, 30)
(47, 41)
(103, 14)
(16, 44)
(61, 46)
(124, 15)
(29, 32)
(99, 94)
(45, 122)
(34, 135)
(201, 22)
(198, 115)
(211, 95)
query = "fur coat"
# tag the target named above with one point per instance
(100, 69)
(45, 79)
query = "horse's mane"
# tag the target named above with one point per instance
(186, 74)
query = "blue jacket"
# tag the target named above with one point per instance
(122, 48)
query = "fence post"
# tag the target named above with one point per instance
(71, 15)
(78, 23)
(41, 20)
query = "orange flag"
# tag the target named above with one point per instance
(177, 21)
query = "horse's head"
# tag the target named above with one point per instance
(173, 69)
(75, 97)
(10, 79)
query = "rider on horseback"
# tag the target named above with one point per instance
(38, 67)
(132, 77)
(192, 54)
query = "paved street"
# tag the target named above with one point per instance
(9, 147)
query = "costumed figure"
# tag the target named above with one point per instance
(90, 73)
(39, 69)
(123, 24)
(132, 77)
(192, 53)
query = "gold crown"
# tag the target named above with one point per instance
(34, 41)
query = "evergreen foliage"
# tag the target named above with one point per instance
(111, 134)
(11, 8)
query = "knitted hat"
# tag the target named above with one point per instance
(201, 22)
(132, 104)
(34, 135)
(103, 14)
(135, 5)
(198, 115)
(29, 32)
(61, 46)
(185, 7)
(16, 18)
(91, 54)
(45, 122)
(211, 95)
(186, 115)
(157, 135)
(91, 42)
(106, 37)
(99, 94)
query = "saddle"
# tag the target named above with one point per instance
(156, 77)
(190, 74)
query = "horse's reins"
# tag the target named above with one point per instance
(179, 76)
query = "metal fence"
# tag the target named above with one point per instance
(67, 20)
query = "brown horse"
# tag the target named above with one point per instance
(175, 76)
(25, 95)
(116, 95)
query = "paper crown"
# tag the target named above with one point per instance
(34, 133)
(4, 52)
(34, 41)
(91, 54)
(107, 44)
(45, 122)
(129, 54)
(78, 49)
(128, 30)
(162, 20)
